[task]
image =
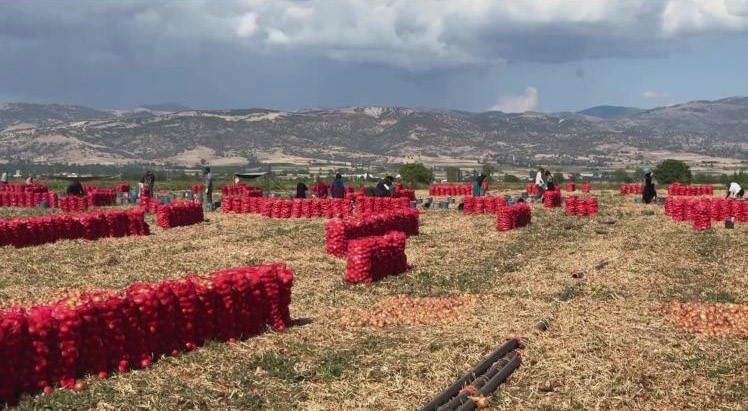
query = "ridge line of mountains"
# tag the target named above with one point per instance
(175, 134)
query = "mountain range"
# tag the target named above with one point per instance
(173, 134)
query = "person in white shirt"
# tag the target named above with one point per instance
(539, 183)
(735, 191)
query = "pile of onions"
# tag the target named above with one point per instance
(373, 258)
(581, 206)
(31, 231)
(450, 189)
(482, 205)
(676, 189)
(714, 320)
(377, 205)
(340, 232)
(241, 189)
(100, 332)
(179, 213)
(631, 189)
(514, 216)
(406, 310)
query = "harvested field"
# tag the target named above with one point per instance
(608, 343)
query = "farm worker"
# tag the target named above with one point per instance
(649, 193)
(149, 180)
(337, 188)
(384, 188)
(236, 180)
(208, 182)
(301, 190)
(30, 180)
(4, 178)
(484, 187)
(539, 183)
(75, 189)
(735, 191)
(549, 183)
(477, 184)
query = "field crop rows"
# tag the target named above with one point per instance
(608, 344)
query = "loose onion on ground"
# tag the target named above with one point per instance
(405, 310)
(714, 320)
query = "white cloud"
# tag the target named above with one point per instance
(655, 95)
(247, 25)
(517, 103)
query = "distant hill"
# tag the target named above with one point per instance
(699, 129)
(610, 112)
(167, 107)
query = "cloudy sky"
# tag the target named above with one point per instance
(475, 55)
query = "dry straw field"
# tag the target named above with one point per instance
(610, 345)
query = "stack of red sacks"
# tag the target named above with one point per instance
(179, 213)
(570, 187)
(100, 197)
(701, 216)
(198, 189)
(243, 205)
(586, 187)
(581, 206)
(718, 209)
(482, 205)
(147, 202)
(27, 198)
(24, 188)
(122, 187)
(631, 189)
(532, 190)
(450, 189)
(340, 232)
(373, 258)
(320, 189)
(514, 216)
(241, 189)
(22, 232)
(376, 205)
(306, 208)
(74, 204)
(676, 189)
(100, 332)
(552, 199)
(408, 193)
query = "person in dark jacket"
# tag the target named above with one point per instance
(208, 183)
(648, 193)
(549, 183)
(149, 180)
(75, 189)
(301, 190)
(385, 187)
(337, 188)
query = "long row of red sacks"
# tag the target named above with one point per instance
(513, 216)
(676, 189)
(717, 209)
(27, 198)
(581, 206)
(631, 189)
(240, 189)
(374, 258)
(99, 333)
(339, 233)
(24, 188)
(30, 231)
(450, 189)
(314, 207)
(179, 213)
(482, 205)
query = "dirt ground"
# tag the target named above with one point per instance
(609, 346)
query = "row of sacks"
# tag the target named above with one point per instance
(552, 199)
(100, 197)
(75, 204)
(572, 186)
(631, 189)
(241, 189)
(24, 188)
(513, 216)
(179, 213)
(377, 205)
(27, 198)
(532, 190)
(450, 189)
(408, 193)
(676, 189)
(98, 333)
(23, 232)
(581, 206)
(288, 208)
(717, 209)
(482, 205)
(374, 258)
(339, 233)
